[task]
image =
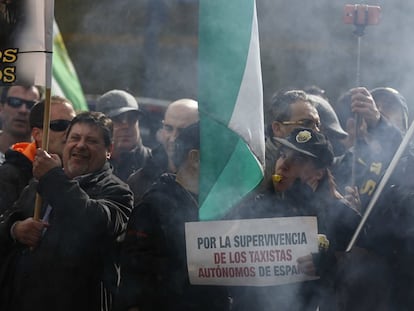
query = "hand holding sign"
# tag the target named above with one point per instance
(254, 252)
(306, 265)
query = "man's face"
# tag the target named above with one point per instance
(289, 166)
(126, 133)
(58, 114)
(15, 112)
(85, 151)
(176, 118)
(303, 114)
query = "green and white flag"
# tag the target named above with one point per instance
(65, 81)
(230, 104)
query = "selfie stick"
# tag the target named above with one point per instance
(382, 183)
(359, 15)
(357, 117)
(359, 32)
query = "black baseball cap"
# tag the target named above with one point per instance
(392, 94)
(310, 143)
(116, 102)
(328, 116)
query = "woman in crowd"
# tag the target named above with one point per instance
(302, 186)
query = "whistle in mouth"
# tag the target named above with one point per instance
(276, 178)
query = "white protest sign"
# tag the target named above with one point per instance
(249, 252)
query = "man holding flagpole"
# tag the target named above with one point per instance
(67, 260)
(16, 171)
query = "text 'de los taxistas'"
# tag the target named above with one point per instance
(254, 252)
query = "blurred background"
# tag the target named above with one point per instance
(149, 47)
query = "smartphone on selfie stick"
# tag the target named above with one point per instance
(359, 15)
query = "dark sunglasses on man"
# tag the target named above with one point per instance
(57, 125)
(16, 102)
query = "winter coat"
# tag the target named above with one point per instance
(335, 219)
(72, 268)
(153, 262)
(373, 159)
(130, 161)
(141, 180)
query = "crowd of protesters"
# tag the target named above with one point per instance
(96, 220)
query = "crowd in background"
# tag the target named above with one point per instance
(96, 222)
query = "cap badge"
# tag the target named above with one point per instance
(303, 136)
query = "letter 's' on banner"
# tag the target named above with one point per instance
(26, 32)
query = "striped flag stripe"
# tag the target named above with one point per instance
(231, 104)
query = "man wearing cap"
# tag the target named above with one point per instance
(288, 110)
(392, 105)
(66, 260)
(371, 143)
(15, 104)
(129, 154)
(389, 226)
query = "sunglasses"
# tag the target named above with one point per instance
(16, 102)
(57, 125)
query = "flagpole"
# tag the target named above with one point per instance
(45, 145)
(382, 184)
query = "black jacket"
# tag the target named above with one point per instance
(131, 161)
(75, 258)
(15, 174)
(153, 263)
(142, 179)
(335, 219)
(373, 159)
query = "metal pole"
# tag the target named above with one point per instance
(358, 64)
(357, 117)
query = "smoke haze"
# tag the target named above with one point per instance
(150, 47)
